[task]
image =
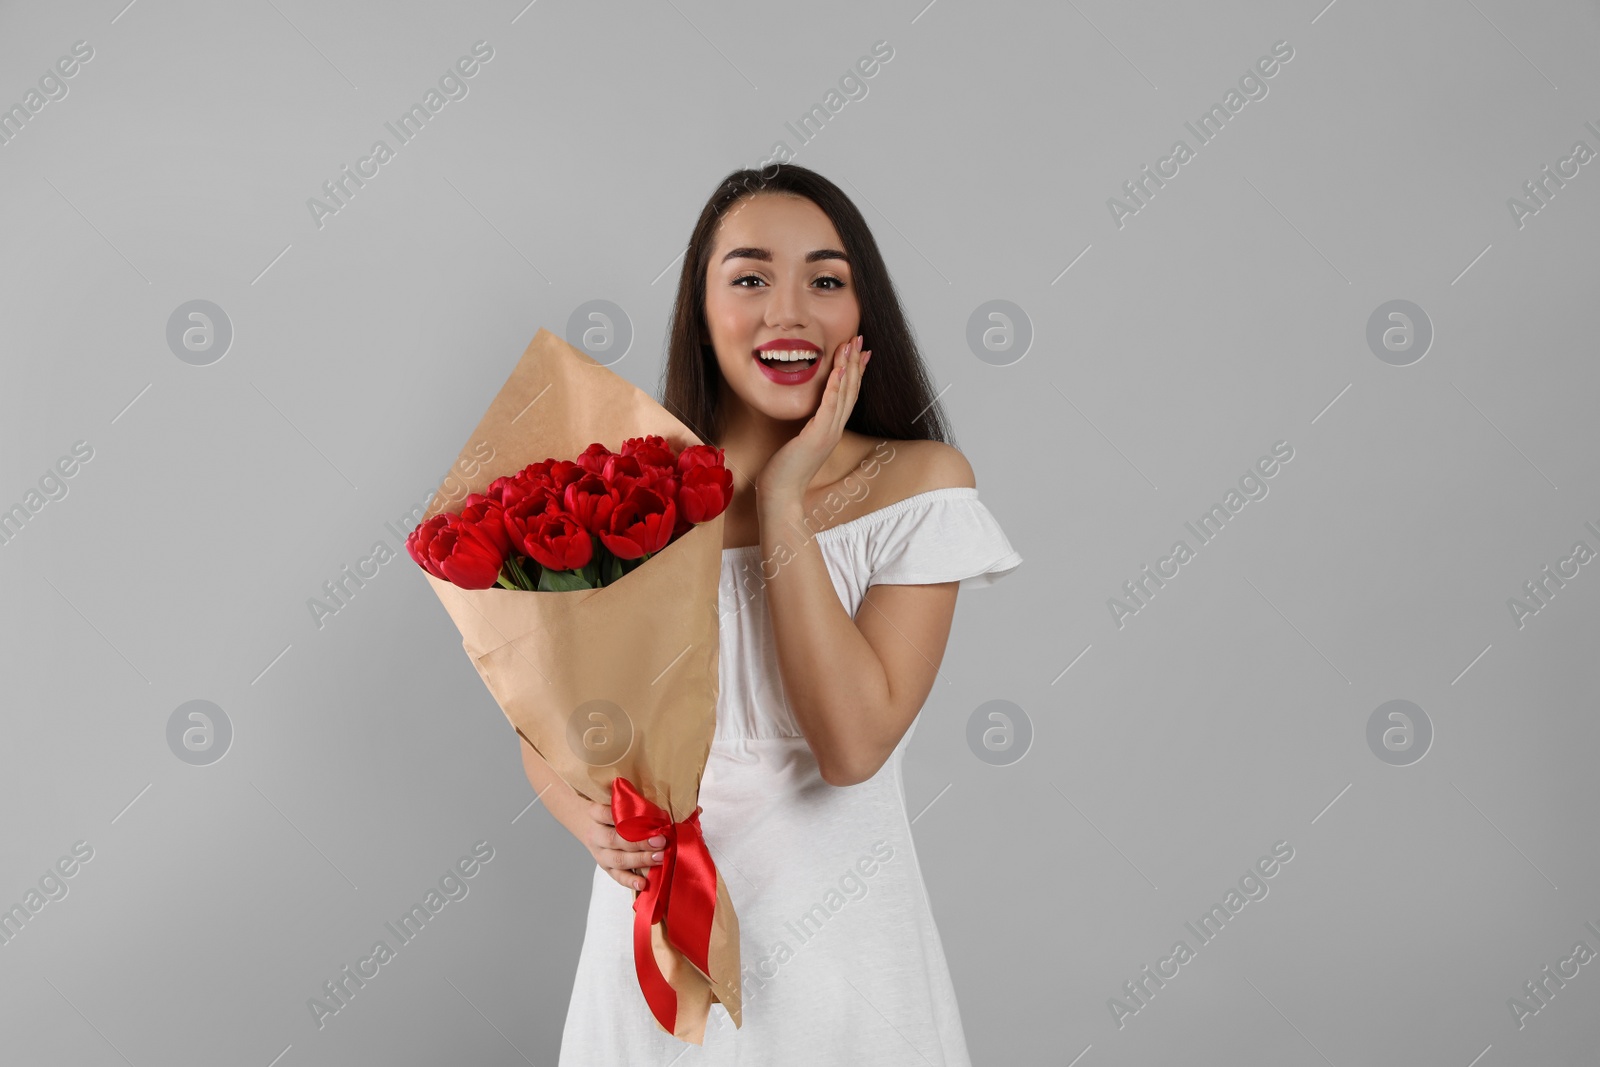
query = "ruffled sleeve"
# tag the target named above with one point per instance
(943, 535)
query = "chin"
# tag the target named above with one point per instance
(780, 403)
(787, 412)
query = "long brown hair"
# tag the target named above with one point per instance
(896, 401)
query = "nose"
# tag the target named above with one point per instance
(785, 307)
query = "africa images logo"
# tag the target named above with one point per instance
(1252, 86)
(452, 86)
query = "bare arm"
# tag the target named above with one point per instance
(570, 807)
(590, 822)
(855, 685)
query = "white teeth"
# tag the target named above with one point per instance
(788, 355)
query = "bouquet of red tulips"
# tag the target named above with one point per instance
(559, 525)
(586, 594)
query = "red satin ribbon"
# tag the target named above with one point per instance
(686, 879)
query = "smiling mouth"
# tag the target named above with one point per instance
(789, 361)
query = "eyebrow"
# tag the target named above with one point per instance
(765, 255)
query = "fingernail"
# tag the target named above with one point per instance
(866, 357)
(657, 842)
(656, 856)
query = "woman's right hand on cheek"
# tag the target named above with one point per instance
(620, 858)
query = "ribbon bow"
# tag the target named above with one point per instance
(686, 880)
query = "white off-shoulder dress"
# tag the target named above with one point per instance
(841, 960)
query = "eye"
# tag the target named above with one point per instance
(838, 283)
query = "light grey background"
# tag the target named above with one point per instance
(1169, 753)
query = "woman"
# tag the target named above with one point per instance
(853, 523)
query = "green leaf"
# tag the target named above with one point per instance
(563, 581)
(519, 572)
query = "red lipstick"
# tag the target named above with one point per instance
(777, 371)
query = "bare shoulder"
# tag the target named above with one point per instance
(944, 467)
(922, 466)
(885, 473)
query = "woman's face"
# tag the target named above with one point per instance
(778, 274)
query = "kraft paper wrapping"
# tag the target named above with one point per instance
(620, 680)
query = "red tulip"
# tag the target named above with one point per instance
(555, 540)
(518, 517)
(621, 473)
(594, 458)
(651, 451)
(590, 500)
(488, 517)
(699, 456)
(662, 481)
(455, 550)
(705, 493)
(506, 488)
(642, 523)
(419, 538)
